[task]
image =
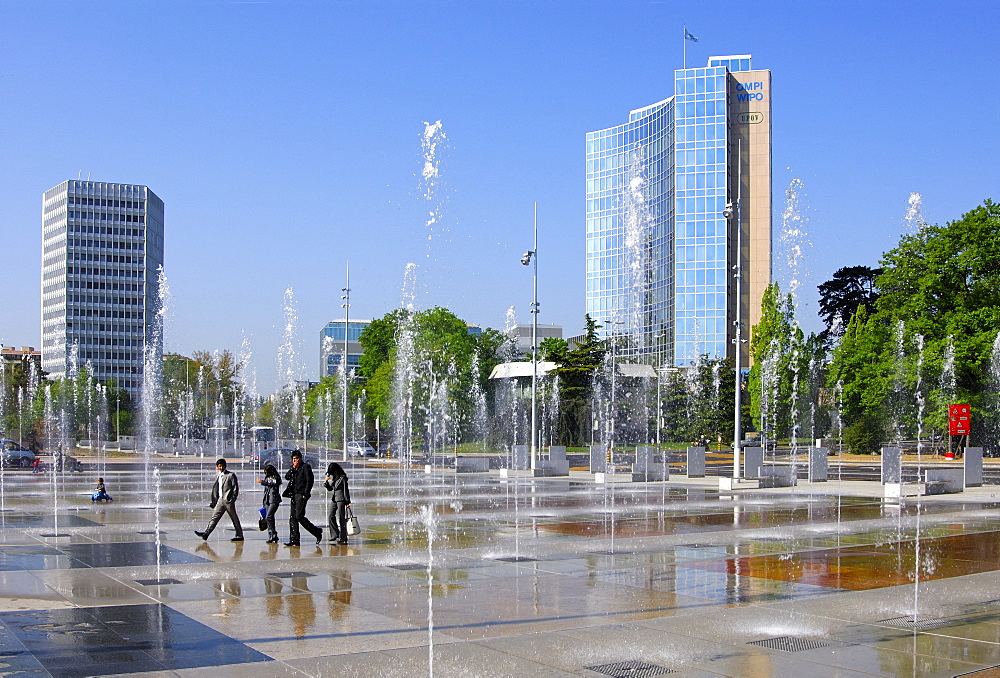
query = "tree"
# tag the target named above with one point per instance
(575, 369)
(440, 352)
(770, 382)
(851, 288)
(939, 302)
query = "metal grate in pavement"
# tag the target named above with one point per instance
(408, 566)
(909, 622)
(789, 644)
(518, 559)
(630, 669)
(157, 582)
(290, 575)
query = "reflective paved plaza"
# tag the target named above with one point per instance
(494, 577)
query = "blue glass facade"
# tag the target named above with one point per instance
(630, 205)
(659, 247)
(331, 345)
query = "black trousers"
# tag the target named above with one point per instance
(338, 520)
(298, 517)
(272, 529)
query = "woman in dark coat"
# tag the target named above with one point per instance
(336, 482)
(272, 497)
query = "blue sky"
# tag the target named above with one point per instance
(284, 138)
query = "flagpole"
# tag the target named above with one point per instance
(684, 39)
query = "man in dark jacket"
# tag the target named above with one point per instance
(225, 490)
(300, 482)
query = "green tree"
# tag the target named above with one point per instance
(443, 351)
(939, 296)
(575, 368)
(851, 288)
(771, 349)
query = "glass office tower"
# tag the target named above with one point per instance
(102, 248)
(662, 249)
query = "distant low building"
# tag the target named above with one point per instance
(521, 334)
(25, 355)
(331, 345)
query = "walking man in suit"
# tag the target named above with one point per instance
(300, 482)
(225, 490)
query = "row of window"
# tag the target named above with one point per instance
(701, 253)
(105, 230)
(113, 314)
(87, 340)
(711, 205)
(96, 285)
(109, 258)
(106, 272)
(105, 202)
(102, 244)
(699, 302)
(714, 82)
(104, 299)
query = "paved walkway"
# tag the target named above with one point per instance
(491, 577)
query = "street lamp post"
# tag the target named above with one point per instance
(346, 289)
(733, 210)
(531, 256)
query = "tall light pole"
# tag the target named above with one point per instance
(730, 212)
(346, 289)
(531, 256)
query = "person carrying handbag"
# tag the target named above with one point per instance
(272, 498)
(336, 482)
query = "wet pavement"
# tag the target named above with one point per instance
(472, 575)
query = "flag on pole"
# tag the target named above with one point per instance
(688, 36)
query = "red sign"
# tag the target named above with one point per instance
(959, 418)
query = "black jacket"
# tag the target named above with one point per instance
(272, 490)
(300, 480)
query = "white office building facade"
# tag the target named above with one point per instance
(102, 253)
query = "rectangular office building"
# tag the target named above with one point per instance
(102, 252)
(678, 204)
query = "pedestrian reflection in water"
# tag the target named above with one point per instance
(302, 610)
(340, 597)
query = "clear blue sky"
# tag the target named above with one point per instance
(284, 138)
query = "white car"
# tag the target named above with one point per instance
(360, 448)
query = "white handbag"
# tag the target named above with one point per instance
(353, 527)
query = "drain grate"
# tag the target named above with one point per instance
(613, 553)
(408, 566)
(789, 644)
(632, 669)
(288, 575)
(518, 559)
(157, 582)
(696, 546)
(911, 623)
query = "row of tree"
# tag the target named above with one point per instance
(902, 342)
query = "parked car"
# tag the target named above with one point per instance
(755, 442)
(360, 448)
(280, 458)
(14, 455)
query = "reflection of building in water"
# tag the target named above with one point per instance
(340, 597)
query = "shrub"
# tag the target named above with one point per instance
(863, 437)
